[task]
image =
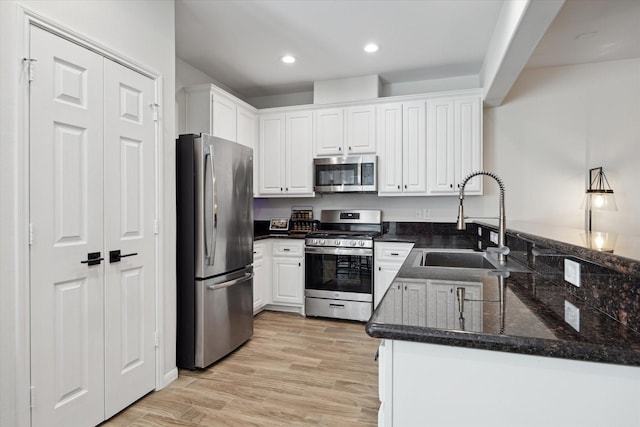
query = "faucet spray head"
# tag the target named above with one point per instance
(461, 224)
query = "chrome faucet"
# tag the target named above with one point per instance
(502, 249)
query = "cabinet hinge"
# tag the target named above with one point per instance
(30, 234)
(32, 397)
(156, 109)
(156, 340)
(156, 226)
(30, 67)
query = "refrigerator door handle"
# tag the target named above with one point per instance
(247, 276)
(210, 215)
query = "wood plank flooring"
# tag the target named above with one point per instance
(295, 371)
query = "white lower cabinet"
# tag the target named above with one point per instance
(423, 384)
(444, 310)
(389, 257)
(278, 268)
(261, 274)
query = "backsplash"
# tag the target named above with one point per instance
(613, 288)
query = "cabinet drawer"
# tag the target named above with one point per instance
(392, 251)
(288, 248)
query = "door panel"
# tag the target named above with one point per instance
(129, 212)
(66, 205)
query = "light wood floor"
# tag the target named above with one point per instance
(293, 372)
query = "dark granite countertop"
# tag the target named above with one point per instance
(529, 319)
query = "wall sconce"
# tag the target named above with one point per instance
(599, 197)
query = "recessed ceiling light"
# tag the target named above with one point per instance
(288, 59)
(371, 48)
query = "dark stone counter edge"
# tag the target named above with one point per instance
(502, 343)
(278, 236)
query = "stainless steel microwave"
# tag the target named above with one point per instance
(352, 174)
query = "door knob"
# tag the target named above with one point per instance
(93, 258)
(114, 256)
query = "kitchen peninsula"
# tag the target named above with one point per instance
(486, 347)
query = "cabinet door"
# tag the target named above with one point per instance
(259, 285)
(389, 143)
(383, 277)
(272, 154)
(299, 157)
(224, 117)
(414, 176)
(247, 128)
(361, 130)
(440, 147)
(329, 131)
(288, 280)
(441, 302)
(248, 136)
(414, 304)
(198, 110)
(468, 142)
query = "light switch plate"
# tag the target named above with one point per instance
(572, 315)
(572, 272)
(493, 236)
(480, 231)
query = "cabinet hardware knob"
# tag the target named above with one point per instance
(280, 188)
(405, 186)
(398, 187)
(286, 189)
(339, 148)
(349, 148)
(450, 185)
(379, 268)
(299, 265)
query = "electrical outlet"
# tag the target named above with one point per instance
(572, 272)
(479, 245)
(426, 213)
(418, 213)
(572, 315)
(493, 236)
(480, 231)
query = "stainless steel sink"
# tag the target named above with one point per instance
(466, 259)
(456, 260)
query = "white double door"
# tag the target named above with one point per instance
(92, 191)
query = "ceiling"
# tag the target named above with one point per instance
(239, 43)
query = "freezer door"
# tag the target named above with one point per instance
(224, 315)
(223, 206)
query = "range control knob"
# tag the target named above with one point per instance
(338, 242)
(362, 242)
(321, 241)
(353, 243)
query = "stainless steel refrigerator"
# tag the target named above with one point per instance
(214, 188)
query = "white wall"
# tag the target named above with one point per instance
(141, 30)
(557, 123)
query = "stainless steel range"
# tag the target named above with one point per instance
(339, 264)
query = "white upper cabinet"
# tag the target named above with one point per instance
(454, 144)
(468, 141)
(225, 120)
(213, 111)
(286, 154)
(345, 131)
(389, 124)
(329, 131)
(401, 148)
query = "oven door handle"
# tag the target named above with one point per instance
(313, 250)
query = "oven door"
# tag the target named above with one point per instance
(339, 273)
